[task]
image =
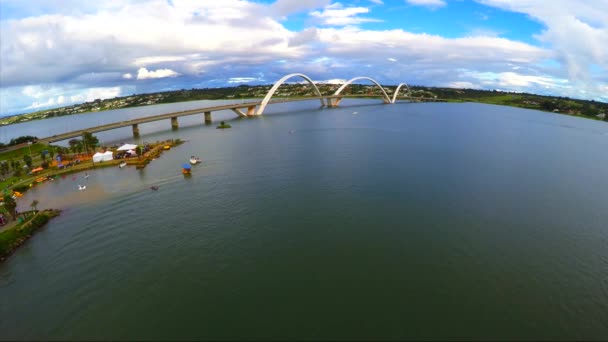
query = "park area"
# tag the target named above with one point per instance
(32, 163)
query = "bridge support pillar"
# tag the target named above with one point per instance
(135, 130)
(207, 118)
(174, 124)
(333, 102)
(250, 110)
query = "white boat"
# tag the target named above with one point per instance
(194, 160)
(82, 187)
(122, 164)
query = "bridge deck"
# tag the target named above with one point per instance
(107, 127)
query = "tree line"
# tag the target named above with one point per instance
(20, 140)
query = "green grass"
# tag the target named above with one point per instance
(496, 99)
(19, 153)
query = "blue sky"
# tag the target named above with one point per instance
(60, 52)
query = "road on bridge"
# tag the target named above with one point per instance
(107, 127)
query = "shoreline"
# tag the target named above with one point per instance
(14, 237)
(140, 162)
(18, 233)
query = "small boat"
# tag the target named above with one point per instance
(291, 131)
(122, 164)
(194, 160)
(167, 147)
(154, 187)
(82, 187)
(186, 169)
(355, 113)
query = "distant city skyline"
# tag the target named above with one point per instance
(56, 53)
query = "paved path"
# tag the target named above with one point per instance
(9, 225)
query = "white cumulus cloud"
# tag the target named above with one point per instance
(51, 48)
(143, 73)
(338, 15)
(576, 31)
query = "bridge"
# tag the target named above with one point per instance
(246, 109)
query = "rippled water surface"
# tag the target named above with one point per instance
(399, 222)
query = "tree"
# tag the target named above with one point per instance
(28, 160)
(74, 144)
(22, 139)
(139, 150)
(588, 110)
(4, 168)
(10, 205)
(61, 150)
(17, 169)
(547, 105)
(33, 205)
(89, 141)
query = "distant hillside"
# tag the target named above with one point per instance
(564, 105)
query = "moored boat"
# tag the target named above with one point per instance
(122, 164)
(194, 160)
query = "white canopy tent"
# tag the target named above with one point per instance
(127, 147)
(97, 157)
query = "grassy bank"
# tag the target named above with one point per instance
(12, 238)
(17, 154)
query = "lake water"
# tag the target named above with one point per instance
(405, 221)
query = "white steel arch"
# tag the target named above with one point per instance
(409, 91)
(386, 98)
(278, 84)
